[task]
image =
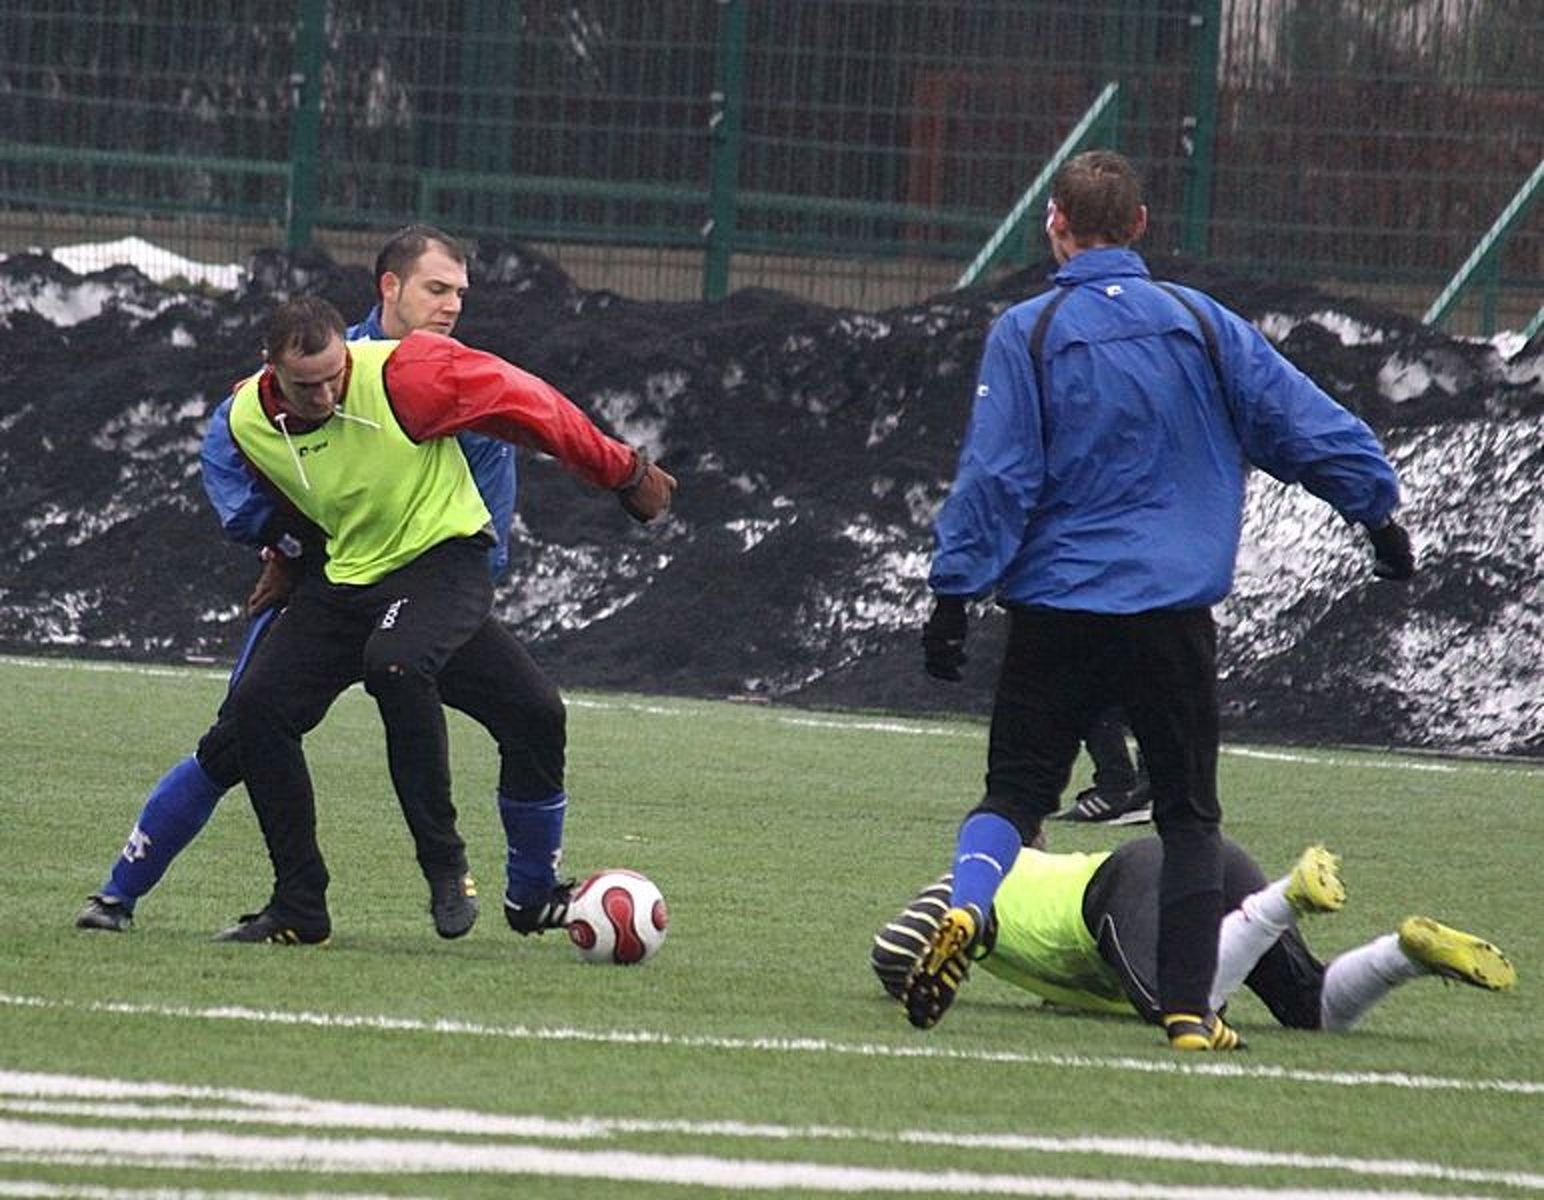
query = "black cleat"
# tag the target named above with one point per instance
(103, 912)
(539, 915)
(453, 904)
(264, 927)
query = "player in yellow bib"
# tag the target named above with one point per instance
(359, 440)
(1081, 931)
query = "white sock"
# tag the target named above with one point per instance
(1246, 934)
(1360, 978)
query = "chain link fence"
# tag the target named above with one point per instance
(859, 152)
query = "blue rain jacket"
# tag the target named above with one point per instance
(1120, 488)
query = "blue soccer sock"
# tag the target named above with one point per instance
(533, 830)
(986, 849)
(176, 809)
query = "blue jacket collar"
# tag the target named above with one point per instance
(1101, 264)
(369, 329)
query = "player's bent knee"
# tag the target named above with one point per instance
(541, 719)
(392, 677)
(552, 716)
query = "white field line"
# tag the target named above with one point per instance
(36, 1189)
(1168, 1065)
(184, 1150)
(118, 1102)
(1367, 761)
(109, 668)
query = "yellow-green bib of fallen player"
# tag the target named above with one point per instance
(1042, 942)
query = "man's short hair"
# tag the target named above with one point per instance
(1100, 192)
(405, 247)
(305, 325)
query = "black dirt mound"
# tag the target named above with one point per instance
(813, 446)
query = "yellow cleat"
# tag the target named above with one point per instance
(1454, 954)
(1315, 884)
(936, 979)
(1187, 1031)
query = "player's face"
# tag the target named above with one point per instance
(313, 383)
(428, 296)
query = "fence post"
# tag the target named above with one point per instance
(1490, 290)
(484, 136)
(724, 130)
(1199, 137)
(310, 38)
(1489, 245)
(1127, 51)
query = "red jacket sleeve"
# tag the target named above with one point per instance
(439, 387)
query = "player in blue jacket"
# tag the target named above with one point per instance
(421, 278)
(1099, 499)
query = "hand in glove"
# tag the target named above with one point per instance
(1392, 557)
(943, 639)
(647, 492)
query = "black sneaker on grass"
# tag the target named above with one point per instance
(535, 915)
(453, 904)
(103, 912)
(264, 927)
(1093, 807)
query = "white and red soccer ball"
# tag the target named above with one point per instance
(617, 916)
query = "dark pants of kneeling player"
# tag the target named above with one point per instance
(1118, 910)
(1060, 670)
(417, 637)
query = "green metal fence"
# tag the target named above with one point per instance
(858, 151)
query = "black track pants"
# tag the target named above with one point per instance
(1060, 671)
(400, 636)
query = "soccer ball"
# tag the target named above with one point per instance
(617, 916)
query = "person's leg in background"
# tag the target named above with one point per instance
(176, 810)
(1119, 793)
(1105, 741)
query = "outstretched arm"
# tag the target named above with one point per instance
(439, 387)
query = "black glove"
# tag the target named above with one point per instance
(1392, 557)
(943, 639)
(647, 491)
